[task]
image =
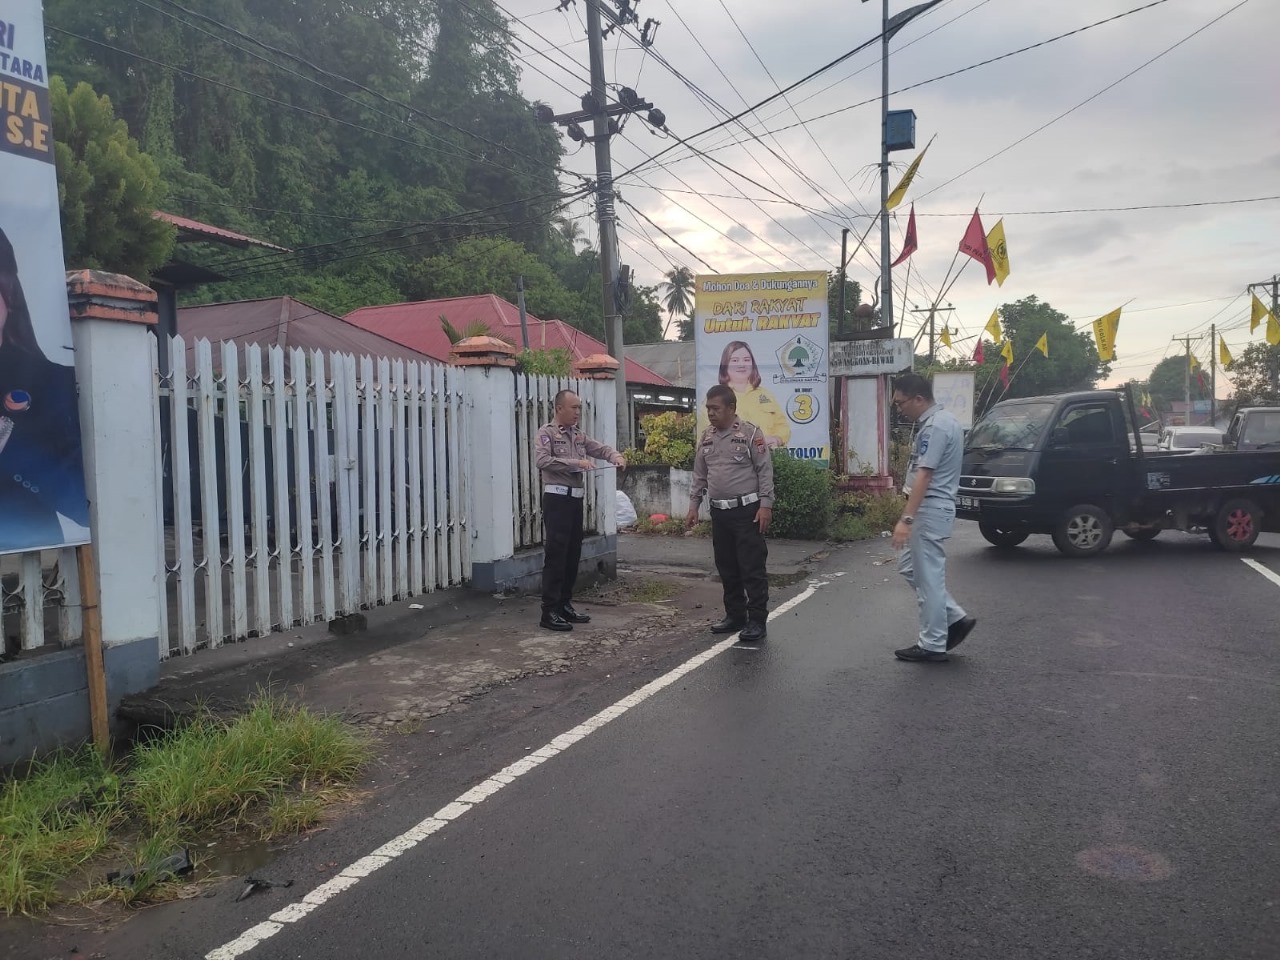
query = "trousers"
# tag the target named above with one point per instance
(923, 563)
(741, 553)
(562, 548)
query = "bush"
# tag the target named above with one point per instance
(669, 440)
(876, 511)
(804, 503)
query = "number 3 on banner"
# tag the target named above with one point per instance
(802, 408)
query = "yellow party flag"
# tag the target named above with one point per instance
(946, 337)
(1104, 332)
(900, 191)
(1006, 351)
(1224, 355)
(1195, 364)
(1273, 329)
(1043, 344)
(992, 329)
(1257, 314)
(999, 251)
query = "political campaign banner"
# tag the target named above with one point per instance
(953, 392)
(765, 336)
(42, 488)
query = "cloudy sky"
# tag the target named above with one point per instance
(1201, 123)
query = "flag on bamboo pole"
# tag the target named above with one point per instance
(1006, 351)
(946, 337)
(1104, 332)
(1273, 329)
(980, 353)
(992, 329)
(1004, 375)
(1257, 314)
(900, 191)
(909, 244)
(974, 244)
(999, 252)
(1224, 355)
(1043, 343)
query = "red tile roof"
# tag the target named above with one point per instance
(418, 326)
(209, 232)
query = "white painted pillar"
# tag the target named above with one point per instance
(490, 388)
(111, 320)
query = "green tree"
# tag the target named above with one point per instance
(642, 317)
(678, 299)
(1254, 376)
(1072, 363)
(1168, 380)
(852, 297)
(107, 188)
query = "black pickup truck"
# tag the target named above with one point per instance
(1073, 466)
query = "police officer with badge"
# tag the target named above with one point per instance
(563, 457)
(733, 466)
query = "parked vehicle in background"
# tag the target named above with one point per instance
(1072, 466)
(1254, 428)
(1189, 439)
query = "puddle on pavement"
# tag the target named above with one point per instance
(236, 861)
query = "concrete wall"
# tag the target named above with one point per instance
(659, 489)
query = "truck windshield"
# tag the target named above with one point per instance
(1262, 428)
(1016, 426)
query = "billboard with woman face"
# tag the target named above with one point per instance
(765, 335)
(42, 489)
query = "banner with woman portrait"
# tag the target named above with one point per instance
(42, 489)
(765, 335)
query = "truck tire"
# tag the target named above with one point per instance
(1236, 525)
(1002, 536)
(1083, 531)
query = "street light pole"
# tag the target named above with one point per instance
(886, 272)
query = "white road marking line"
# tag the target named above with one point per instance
(367, 865)
(1266, 572)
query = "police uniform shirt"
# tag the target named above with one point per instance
(732, 463)
(759, 406)
(939, 446)
(560, 450)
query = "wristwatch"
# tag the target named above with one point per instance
(908, 520)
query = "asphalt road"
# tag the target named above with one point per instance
(1093, 775)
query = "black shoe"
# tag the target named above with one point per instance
(728, 625)
(572, 615)
(959, 630)
(551, 620)
(919, 654)
(753, 632)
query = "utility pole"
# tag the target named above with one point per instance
(886, 257)
(844, 262)
(1274, 284)
(1212, 374)
(602, 114)
(1186, 373)
(524, 317)
(933, 311)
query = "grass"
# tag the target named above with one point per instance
(652, 591)
(270, 771)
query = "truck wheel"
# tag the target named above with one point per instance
(1002, 536)
(1142, 534)
(1083, 531)
(1237, 525)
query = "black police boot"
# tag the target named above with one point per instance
(753, 632)
(551, 620)
(572, 615)
(728, 625)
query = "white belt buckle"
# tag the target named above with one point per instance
(561, 490)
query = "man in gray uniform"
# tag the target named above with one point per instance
(933, 479)
(563, 456)
(732, 463)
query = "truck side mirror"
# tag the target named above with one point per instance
(1060, 437)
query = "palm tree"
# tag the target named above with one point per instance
(679, 298)
(571, 231)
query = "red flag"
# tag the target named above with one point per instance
(1200, 376)
(909, 245)
(979, 354)
(1004, 376)
(974, 245)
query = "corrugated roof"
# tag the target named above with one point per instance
(206, 231)
(288, 323)
(418, 326)
(673, 359)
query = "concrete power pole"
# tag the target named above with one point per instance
(606, 215)
(1186, 373)
(886, 257)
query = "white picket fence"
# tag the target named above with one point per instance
(301, 496)
(301, 486)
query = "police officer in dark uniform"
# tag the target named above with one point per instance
(733, 465)
(563, 456)
(41, 465)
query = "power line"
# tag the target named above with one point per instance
(1087, 100)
